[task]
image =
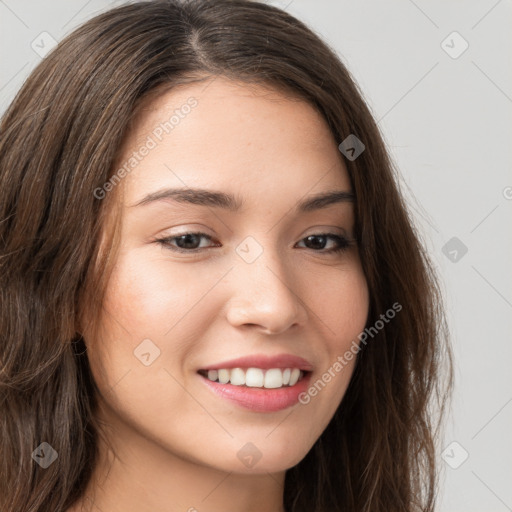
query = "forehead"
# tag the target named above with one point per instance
(221, 133)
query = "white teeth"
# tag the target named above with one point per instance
(294, 377)
(237, 377)
(273, 378)
(256, 377)
(224, 376)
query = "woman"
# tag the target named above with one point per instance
(213, 297)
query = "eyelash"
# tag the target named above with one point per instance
(344, 243)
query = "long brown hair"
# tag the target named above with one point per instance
(60, 139)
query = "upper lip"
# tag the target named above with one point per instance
(264, 362)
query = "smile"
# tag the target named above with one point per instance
(256, 389)
(272, 378)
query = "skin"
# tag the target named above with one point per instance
(177, 442)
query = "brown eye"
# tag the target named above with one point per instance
(318, 242)
(186, 242)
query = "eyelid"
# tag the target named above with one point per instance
(327, 230)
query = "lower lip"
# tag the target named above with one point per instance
(260, 399)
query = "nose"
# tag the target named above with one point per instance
(265, 296)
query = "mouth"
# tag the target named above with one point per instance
(257, 390)
(272, 378)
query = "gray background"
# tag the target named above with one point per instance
(446, 117)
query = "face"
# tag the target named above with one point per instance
(245, 279)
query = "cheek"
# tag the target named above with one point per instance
(342, 306)
(343, 314)
(137, 306)
(145, 312)
(149, 299)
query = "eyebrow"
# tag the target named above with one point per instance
(212, 198)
